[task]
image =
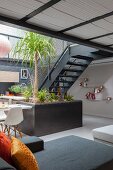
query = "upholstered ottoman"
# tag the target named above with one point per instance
(34, 143)
(104, 134)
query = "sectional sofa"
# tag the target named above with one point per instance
(70, 153)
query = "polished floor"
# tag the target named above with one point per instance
(89, 123)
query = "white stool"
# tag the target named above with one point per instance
(104, 134)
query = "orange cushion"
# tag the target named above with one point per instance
(22, 156)
(5, 148)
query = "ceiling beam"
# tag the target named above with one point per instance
(100, 36)
(38, 29)
(40, 9)
(88, 21)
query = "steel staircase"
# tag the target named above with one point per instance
(71, 64)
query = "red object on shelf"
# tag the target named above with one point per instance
(90, 96)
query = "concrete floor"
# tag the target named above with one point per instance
(89, 123)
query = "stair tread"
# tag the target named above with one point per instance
(77, 64)
(72, 70)
(83, 57)
(72, 76)
(61, 86)
(64, 81)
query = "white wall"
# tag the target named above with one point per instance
(98, 74)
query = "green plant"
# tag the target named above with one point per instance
(27, 92)
(43, 95)
(32, 47)
(53, 97)
(68, 98)
(15, 89)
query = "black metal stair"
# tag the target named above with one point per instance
(71, 64)
(76, 64)
(72, 70)
(63, 81)
(83, 57)
(60, 86)
(68, 76)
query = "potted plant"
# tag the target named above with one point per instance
(48, 115)
(32, 47)
(15, 89)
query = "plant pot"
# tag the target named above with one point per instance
(48, 118)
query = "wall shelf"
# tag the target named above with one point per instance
(92, 95)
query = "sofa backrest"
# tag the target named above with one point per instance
(5, 166)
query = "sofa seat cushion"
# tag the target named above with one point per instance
(104, 133)
(34, 143)
(75, 153)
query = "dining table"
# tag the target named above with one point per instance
(10, 99)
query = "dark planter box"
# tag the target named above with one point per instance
(50, 118)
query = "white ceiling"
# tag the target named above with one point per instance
(64, 14)
(54, 17)
(83, 9)
(45, 24)
(104, 40)
(108, 4)
(87, 31)
(104, 24)
(18, 8)
(109, 19)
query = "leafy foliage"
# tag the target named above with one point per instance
(27, 92)
(68, 98)
(32, 43)
(15, 89)
(45, 96)
(32, 47)
(53, 97)
(42, 95)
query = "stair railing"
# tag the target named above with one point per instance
(48, 77)
(50, 70)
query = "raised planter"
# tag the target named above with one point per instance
(50, 118)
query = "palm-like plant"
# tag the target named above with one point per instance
(32, 47)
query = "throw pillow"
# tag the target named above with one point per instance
(22, 157)
(5, 148)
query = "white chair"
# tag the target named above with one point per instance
(2, 116)
(13, 119)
